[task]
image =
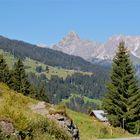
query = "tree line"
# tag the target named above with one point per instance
(57, 88)
(17, 79)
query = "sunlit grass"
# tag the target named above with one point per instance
(31, 65)
(86, 100)
(16, 108)
(90, 128)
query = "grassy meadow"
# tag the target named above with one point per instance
(91, 129)
(31, 65)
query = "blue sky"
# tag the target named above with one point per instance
(47, 21)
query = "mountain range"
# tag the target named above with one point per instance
(21, 49)
(90, 50)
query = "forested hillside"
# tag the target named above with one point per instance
(59, 88)
(56, 83)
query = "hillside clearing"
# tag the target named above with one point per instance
(31, 65)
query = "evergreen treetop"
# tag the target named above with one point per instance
(4, 71)
(20, 80)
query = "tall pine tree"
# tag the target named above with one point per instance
(122, 102)
(5, 75)
(20, 80)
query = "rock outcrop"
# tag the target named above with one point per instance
(62, 120)
(8, 130)
(7, 127)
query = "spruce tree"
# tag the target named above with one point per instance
(122, 102)
(4, 71)
(42, 94)
(20, 79)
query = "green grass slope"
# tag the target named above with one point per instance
(90, 128)
(15, 108)
(31, 65)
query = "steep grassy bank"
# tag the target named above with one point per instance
(15, 108)
(91, 129)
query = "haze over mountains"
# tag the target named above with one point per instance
(72, 44)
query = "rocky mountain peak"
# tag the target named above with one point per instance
(68, 41)
(73, 45)
(72, 35)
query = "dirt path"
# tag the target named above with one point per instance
(40, 108)
(62, 120)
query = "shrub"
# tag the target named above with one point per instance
(103, 132)
(59, 109)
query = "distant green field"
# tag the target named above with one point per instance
(31, 65)
(86, 99)
(96, 101)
